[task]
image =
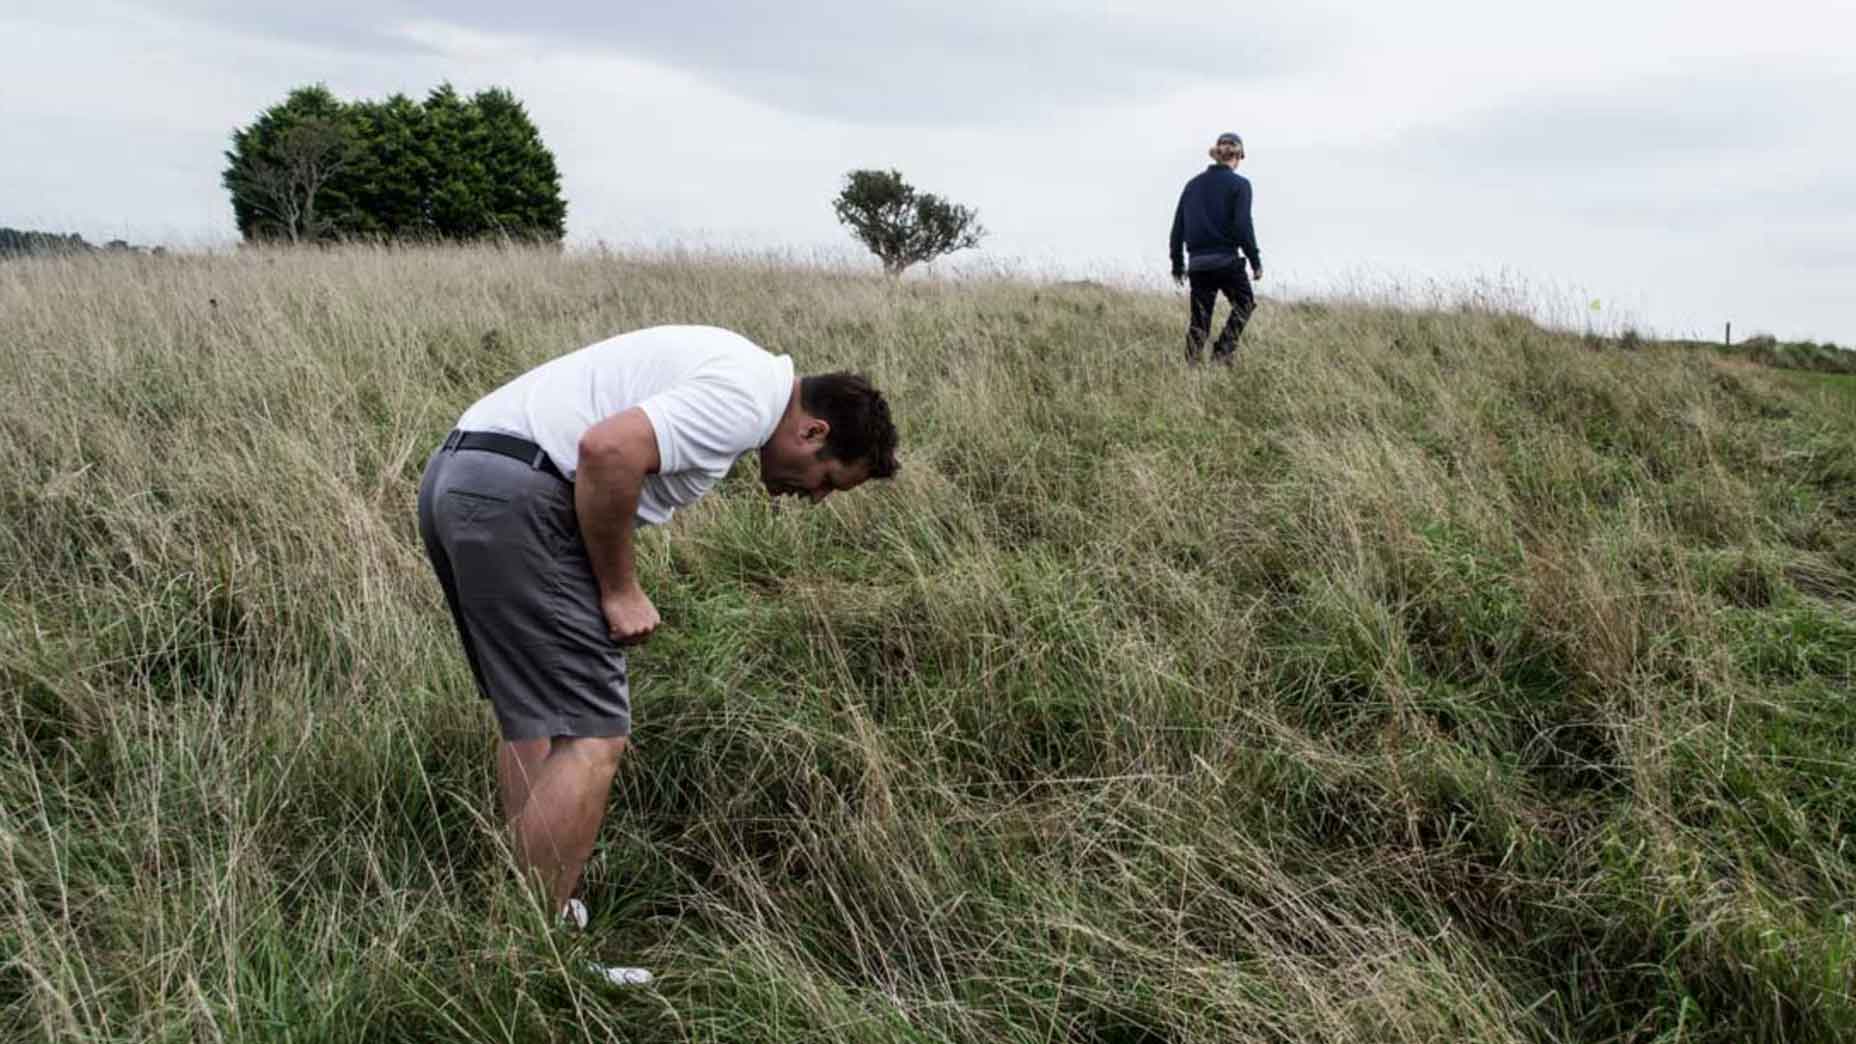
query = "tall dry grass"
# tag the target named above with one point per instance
(1426, 676)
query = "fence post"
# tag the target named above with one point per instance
(1730, 333)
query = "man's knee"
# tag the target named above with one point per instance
(601, 751)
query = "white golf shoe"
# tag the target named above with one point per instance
(617, 975)
(574, 918)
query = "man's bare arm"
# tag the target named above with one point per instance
(615, 456)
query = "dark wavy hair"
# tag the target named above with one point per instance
(859, 417)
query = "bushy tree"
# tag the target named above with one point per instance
(281, 167)
(900, 225)
(316, 168)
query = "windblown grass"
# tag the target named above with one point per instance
(1424, 677)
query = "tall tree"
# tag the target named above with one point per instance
(522, 185)
(457, 198)
(392, 174)
(900, 225)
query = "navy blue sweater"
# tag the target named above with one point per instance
(1212, 222)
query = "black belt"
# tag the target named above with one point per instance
(508, 445)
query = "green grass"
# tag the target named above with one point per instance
(1837, 391)
(1427, 676)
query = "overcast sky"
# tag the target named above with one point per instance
(1683, 162)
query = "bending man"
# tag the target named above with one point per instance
(528, 510)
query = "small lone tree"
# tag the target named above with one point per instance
(900, 225)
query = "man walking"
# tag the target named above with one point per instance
(527, 513)
(1212, 225)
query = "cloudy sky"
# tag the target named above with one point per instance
(1683, 162)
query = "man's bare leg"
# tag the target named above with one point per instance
(518, 763)
(562, 798)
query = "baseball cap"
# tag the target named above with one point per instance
(1230, 138)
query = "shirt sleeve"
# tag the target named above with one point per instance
(1176, 241)
(1242, 230)
(703, 424)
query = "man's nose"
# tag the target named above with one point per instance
(818, 495)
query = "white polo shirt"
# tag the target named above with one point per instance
(711, 395)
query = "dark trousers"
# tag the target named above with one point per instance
(1234, 283)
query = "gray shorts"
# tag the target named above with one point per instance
(505, 542)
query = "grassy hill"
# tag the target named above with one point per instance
(1423, 677)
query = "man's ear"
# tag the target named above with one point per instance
(814, 430)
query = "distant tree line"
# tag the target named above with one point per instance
(19, 242)
(314, 168)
